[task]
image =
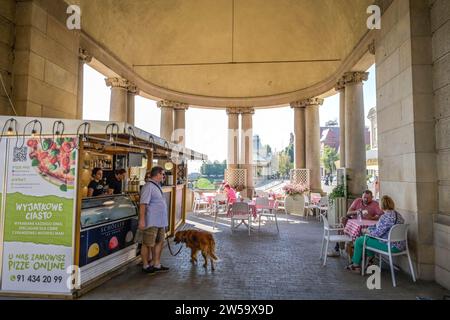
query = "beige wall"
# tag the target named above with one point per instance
(407, 148)
(440, 28)
(46, 64)
(7, 17)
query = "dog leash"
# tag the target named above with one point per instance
(170, 248)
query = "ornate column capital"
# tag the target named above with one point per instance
(117, 83)
(172, 104)
(232, 110)
(307, 102)
(340, 85)
(355, 77)
(247, 110)
(84, 55)
(133, 89)
(240, 110)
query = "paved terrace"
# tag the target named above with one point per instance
(261, 266)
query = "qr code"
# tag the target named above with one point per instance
(20, 154)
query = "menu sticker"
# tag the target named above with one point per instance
(39, 214)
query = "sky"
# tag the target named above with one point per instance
(206, 129)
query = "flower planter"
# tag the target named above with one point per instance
(295, 204)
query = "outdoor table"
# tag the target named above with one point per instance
(254, 207)
(353, 227)
(209, 196)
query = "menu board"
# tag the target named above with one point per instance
(39, 214)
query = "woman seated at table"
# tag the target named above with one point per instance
(231, 193)
(380, 230)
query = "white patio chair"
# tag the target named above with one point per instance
(398, 232)
(309, 207)
(198, 203)
(240, 211)
(266, 211)
(322, 206)
(220, 202)
(328, 237)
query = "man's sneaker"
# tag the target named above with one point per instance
(333, 254)
(161, 269)
(149, 270)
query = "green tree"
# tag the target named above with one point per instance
(331, 123)
(204, 184)
(329, 158)
(284, 163)
(213, 168)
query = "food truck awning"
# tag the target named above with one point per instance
(105, 129)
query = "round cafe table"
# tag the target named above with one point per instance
(353, 227)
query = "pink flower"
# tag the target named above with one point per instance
(295, 188)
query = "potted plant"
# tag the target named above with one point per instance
(294, 200)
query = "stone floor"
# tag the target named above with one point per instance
(264, 265)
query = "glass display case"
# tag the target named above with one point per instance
(108, 225)
(104, 209)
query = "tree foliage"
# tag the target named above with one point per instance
(204, 184)
(329, 157)
(331, 123)
(284, 163)
(213, 168)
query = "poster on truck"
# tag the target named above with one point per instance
(39, 214)
(3, 144)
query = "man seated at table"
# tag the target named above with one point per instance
(367, 207)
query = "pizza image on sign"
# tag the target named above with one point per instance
(54, 159)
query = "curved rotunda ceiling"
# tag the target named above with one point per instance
(226, 48)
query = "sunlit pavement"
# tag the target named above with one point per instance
(264, 265)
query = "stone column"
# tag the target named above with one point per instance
(312, 138)
(355, 144)
(299, 135)
(167, 116)
(84, 57)
(118, 105)
(180, 123)
(131, 95)
(233, 138)
(247, 147)
(340, 87)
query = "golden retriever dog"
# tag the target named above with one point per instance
(198, 241)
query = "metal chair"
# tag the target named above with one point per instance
(198, 203)
(240, 211)
(309, 207)
(220, 201)
(328, 237)
(265, 210)
(322, 206)
(398, 232)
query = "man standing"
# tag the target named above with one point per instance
(115, 184)
(152, 221)
(367, 207)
